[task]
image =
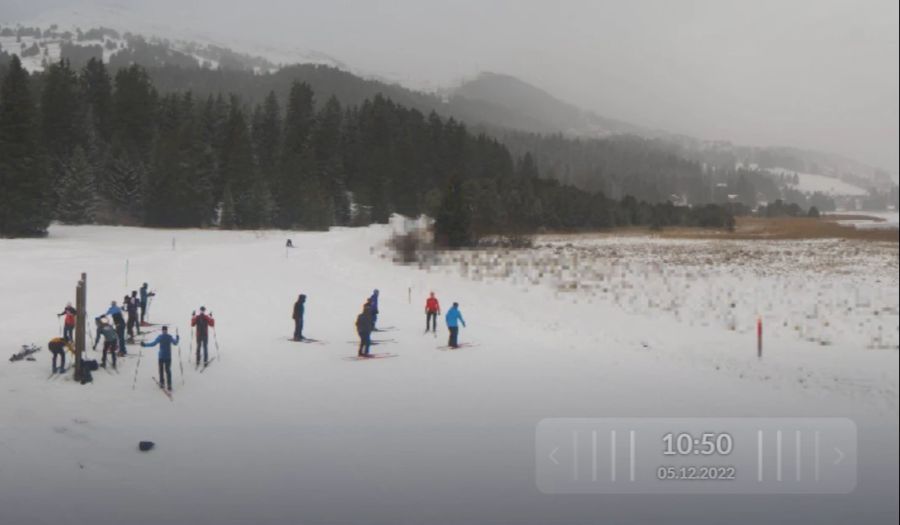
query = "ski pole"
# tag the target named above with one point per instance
(137, 366)
(180, 362)
(191, 344)
(216, 340)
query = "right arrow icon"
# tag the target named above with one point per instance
(840, 455)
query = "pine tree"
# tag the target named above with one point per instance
(97, 88)
(238, 168)
(77, 194)
(453, 227)
(296, 159)
(24, 187)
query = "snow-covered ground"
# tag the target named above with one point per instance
(811, 183)
(280, 432)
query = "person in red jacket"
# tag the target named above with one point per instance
(432, 311)
(203, 323)
(68, 322)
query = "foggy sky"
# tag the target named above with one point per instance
(820, 74)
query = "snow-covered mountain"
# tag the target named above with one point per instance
(123, 23)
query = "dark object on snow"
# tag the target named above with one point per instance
(289, 244)
(90, 364)
(26, 351)
(144, 446)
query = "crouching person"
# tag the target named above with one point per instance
(165, 342)
(58, 346)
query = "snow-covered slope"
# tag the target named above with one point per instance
(281, 432)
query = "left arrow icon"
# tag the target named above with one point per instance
(552, 456)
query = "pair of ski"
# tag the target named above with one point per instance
(306, 340)
(460, 346)
(26, 351)
(163, 389)
(366, 357)
(205, 365)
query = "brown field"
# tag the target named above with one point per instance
(761, 228)
(790, 228)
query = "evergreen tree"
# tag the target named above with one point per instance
(452, 227)
(77, 194)
(228, 215)
(238, 169)
(24, 189)
(97, 88)
(296, 162)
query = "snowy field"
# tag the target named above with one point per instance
(281, 432)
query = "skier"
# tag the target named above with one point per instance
(110, 340)
(202, 322)
(299, 310)
(58, 346)
(432, 311)
(116, 313)
(364, 326)
(165, 342)
(289, 244)
(132, 303)
(373, 305)
(146, 294)
(69, 321)
(453, 318)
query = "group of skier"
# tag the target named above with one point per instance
(113, 324)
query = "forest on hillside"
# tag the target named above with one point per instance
(94, 146)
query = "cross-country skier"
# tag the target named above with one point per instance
(299, 310)
(119, 320)
(289, 244)
(110, 342)
(373, 305)
(68, 322)
(132, 304)
(432, 311)
(203, 322)
(454, 318)
(165, 342)
(146, 294)
(58, 346)
(364, 327)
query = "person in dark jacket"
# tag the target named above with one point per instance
(132, 304)
(373, 305)
(69, 321)
(299, 310)
(165, 342)
(203, 323)
(119, 321)
(364, 326)
(146, 294)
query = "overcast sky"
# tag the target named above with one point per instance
(811, 73)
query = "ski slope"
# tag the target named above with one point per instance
(283, 432)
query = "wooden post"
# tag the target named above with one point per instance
(80, 323)
(759, 337)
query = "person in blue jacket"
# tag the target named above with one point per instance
(165, 342)
(454, 318)
(119, 321)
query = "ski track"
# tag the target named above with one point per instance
(277, 430)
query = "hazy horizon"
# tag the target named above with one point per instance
(813, 74)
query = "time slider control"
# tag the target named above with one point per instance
(696, 455)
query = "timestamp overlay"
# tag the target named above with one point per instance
(696, 455)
